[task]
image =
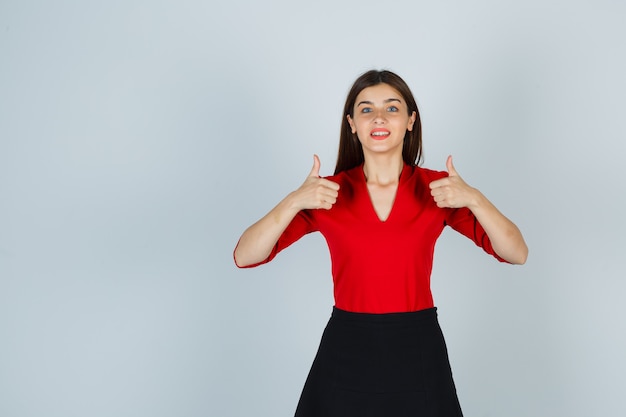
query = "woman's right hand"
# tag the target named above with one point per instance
(315, 192)
(258, 240)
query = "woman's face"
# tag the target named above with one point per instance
(381, 119)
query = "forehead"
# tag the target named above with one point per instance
(378, 93)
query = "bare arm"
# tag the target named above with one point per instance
(506, 238)
(258, 240)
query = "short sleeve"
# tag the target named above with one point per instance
(463, 221)
(302, 224)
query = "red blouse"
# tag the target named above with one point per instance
(383, 267)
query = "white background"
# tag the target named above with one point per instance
(138, 139)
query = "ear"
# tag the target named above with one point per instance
(411, 122)
(351, 123)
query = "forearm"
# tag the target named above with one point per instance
(506, 239)
(257, 241)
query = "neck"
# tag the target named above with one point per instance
(382, 170)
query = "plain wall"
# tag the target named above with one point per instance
(138, 139)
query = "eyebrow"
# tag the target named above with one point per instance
(389, 100)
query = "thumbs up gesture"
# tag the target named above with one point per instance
(316, 192)
(452, 191)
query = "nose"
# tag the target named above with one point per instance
(380, 116)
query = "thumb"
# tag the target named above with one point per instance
(451, 171)
(315, 171)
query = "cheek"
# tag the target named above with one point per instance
(362, 135)
(355, 126)
(362, 122)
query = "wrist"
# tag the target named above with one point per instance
(291, 203)
(477, 200)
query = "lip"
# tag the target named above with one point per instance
(375, 137)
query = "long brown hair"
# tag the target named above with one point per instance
(350, 152)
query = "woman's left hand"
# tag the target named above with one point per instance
(452, 191)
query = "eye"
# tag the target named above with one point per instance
(392, 109)
(366, 110)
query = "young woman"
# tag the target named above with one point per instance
(382, 352)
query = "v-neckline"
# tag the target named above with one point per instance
(395, 197)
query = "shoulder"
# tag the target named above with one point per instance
(351, 174)
(426, 175)
(348, 180)
(418, 181)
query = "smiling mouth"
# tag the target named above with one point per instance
(380, 134)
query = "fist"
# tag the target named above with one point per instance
(316, 192)
(452, 191)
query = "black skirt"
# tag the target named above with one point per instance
(380, 365)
